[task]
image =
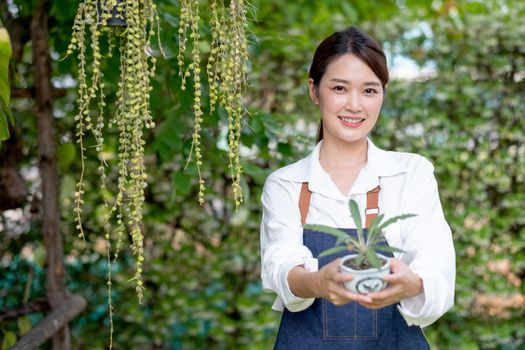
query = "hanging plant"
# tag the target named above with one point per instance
(226, 69)
(126, 26)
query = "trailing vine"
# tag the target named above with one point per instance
(127, 26)
(226, 69)
(189, 18)
(137, 22)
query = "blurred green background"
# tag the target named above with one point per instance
(456, 96)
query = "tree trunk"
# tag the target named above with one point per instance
(55, 273)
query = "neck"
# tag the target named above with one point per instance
(343, 154)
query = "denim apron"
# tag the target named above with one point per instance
(351, 326)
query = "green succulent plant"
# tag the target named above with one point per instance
(365, 246)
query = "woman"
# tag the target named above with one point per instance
(348, 77)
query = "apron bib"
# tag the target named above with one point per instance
(351, 326)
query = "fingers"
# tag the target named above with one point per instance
(360, 298)
(342, 277)
(334, 274)
(340, 296)
(335, 292)
(389, 293)
(393, 278)
(383, 298)
(376, 305)
(400, 286)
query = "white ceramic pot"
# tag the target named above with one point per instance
(366, 281)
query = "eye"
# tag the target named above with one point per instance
(370, 91)
(339, 88)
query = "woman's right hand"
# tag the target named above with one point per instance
(326, 283)
(330, 285)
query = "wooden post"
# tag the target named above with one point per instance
(55, 273)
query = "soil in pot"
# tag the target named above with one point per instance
(350, 263)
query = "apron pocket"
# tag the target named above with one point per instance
(348, 322)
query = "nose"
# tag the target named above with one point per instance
(353, 103)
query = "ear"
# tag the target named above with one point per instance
(314, 96)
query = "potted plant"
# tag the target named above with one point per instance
(365, 263)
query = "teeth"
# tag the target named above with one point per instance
(351, 120)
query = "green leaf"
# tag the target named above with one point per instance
(332, 250)
(350, 241)
(394, 219)
(66, 155)
(377, 220)
(5, 94)
(5, 56)
(181, 183)
(257, 173)
(67, 188)
(372, 258)
(373, 232)
(329, 230)
(354, 210)
(40, 255)
(4, 129)
(359, 259)
(390, 249)
(24, 325)
(5, 108)
(9, 340)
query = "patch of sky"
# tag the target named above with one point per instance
(403, 67)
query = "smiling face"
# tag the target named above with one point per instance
(349, 97)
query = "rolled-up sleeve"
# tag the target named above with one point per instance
(282, 242)
(429, 250)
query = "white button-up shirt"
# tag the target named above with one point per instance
(407, 185)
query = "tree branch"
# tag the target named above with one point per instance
(31, 93)
(36, 305)
(58, 319)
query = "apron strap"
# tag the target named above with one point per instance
(372, 205)
(371, 211)
(304, 201)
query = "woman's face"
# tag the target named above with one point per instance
(349, 97)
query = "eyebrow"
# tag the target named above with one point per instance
(368, 83)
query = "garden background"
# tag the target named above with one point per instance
(456, 96)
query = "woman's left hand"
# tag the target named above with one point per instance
(403, 283)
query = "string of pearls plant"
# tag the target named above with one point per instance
(137, 22)
(226, 69)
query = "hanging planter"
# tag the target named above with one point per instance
(126, 26)
(118, 16)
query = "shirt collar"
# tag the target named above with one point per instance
(380, 163)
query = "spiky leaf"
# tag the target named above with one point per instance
(329, 230)
(349, 241)
(372, 258)
(332, 250)
(359, 259)
(373, 231)
(390, 249)
(376, 222)
(394, 219)
(354, 211)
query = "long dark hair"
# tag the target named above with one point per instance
(351, 40)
